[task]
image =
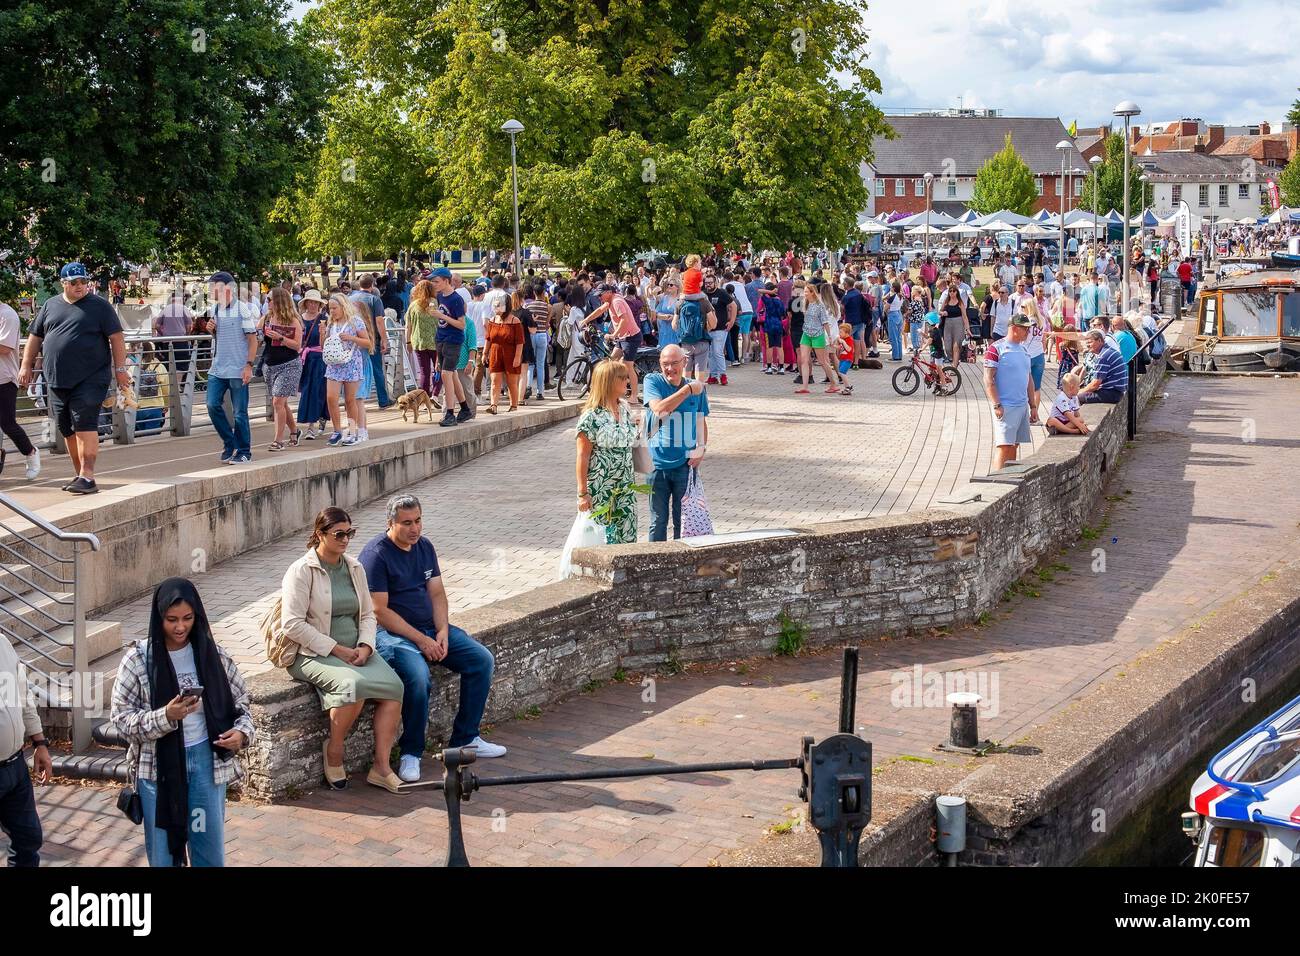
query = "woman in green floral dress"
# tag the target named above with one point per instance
(607, 431)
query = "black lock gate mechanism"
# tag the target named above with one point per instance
(836, 781)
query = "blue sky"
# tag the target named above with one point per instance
(1225, 61)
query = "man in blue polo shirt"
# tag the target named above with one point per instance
(232, 323)
(1110, 377)
(1007, 379)
(413, 630)
(679, 429)
(449, 339)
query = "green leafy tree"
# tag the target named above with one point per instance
(1005, 181)
(1288, 182)
(755, 116)
(151, 128)
(1109, 175)
(1293, 116)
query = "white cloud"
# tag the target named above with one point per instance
(1222, 60)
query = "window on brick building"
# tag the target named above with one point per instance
(1038, 185)
(899, 188)
(918, 187)
(1058, 185)
(880, 187)
(1078, 186)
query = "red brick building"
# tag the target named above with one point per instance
(954, 148)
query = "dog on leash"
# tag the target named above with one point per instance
(413, 401)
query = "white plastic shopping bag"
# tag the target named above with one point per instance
(695, 508)
(586, 532)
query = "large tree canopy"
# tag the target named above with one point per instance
(648, 123)
(135, 128)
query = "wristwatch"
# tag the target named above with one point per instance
(997, 404)
(122, 368)
(40, 743)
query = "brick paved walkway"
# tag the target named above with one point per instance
(1204, 521)
(499, 522)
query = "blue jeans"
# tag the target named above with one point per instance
(239, 440)
(18, 815)
(207, 811)
(717, 353)
(1036, 366)
(895, 327)
(537, 371)
(381, 386)
(466, 657)
(667, 485)
(915, 332)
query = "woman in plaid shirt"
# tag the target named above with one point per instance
(181, 702)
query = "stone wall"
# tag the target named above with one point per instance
(640, 605)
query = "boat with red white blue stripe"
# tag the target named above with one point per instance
(1246, 806)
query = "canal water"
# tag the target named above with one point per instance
(1153, 835)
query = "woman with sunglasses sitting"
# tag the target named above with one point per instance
(326, 609)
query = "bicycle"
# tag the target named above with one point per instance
(945, 380)
(576, 377)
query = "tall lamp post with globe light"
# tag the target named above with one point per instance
(1127, 109)
(929, 181)
(513, 128)
(1064, 146)
(1096, 179)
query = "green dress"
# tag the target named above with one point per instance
(338, 683)
(609, 472)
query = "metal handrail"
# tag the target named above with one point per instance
(37, 567)
(81, 718)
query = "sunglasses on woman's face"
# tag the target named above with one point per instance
(344, 535)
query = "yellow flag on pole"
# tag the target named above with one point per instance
(1074, 128)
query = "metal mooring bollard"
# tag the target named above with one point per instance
(963, 731)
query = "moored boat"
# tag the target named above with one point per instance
(1246, 806)
(1249, 322)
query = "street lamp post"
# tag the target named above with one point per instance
(929, 180)
(1096, 178)
(1064, 146)
(1127, 109)
(513, 128)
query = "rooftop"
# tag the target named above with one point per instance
(963, 144)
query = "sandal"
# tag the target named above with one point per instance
(392, 783)
(491, 409)
(833, 390)
(276, 446)
(802, 391)
(296, 437)
(336, 778)
(513, 408)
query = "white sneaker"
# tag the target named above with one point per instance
(33, 464)
(484, 750)
(409, 769)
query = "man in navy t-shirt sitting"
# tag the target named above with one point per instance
(411, 611)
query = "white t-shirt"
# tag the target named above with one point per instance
(738, 293)
(1002, 313)
(479, 312)
(194, 726)
(1063, 404)
(465, 294)
(9, 328)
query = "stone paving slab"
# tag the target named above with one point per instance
(1204, 521)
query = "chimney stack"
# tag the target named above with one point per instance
(1264, 128)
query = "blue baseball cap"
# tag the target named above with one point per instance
(442, 272)
(222, 277)
(74, 270)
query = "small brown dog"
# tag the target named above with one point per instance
(413, 401)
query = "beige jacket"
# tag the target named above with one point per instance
(305, 601)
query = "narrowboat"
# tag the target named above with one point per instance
(1246, 806)
(1248, 322)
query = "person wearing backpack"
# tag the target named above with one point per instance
(694, 321)
(773, 329)
(326, 637)
(182, 705)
